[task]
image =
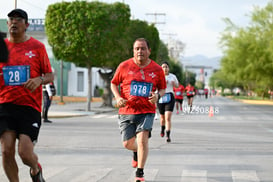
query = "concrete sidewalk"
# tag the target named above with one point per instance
(74, 108)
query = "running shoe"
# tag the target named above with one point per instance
(168, 140)
(162, 133)
(134, 163)
(177, 112)
(140, 179)
(39, 176)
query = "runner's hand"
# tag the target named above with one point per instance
(153, 98)
(32, 84)
(121, 102)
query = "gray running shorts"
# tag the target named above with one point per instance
(130, 125)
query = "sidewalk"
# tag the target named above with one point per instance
(76, 106)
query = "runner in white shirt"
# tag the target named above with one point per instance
(166, 103)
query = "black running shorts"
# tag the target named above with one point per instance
(179, 101)
(21, 119)
(162, 107)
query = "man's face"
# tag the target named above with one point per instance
(141, 51)
(17, 25)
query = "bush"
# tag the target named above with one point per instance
(101, 91)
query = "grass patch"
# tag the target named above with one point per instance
(250, 98)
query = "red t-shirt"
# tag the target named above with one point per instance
(31, 54)
(190, 90)
(135, 85)
(178, 92)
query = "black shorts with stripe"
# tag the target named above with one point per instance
(20, 119)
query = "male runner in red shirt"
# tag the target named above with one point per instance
(21, 80)
(138, 78)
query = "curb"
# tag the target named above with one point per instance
(68, 114)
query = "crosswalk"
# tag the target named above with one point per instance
(194, 175)
(113, 116)
(109, 116)
(243, 175)
(91, 174)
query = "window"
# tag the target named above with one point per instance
(80, 81)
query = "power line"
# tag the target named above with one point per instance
(155, 16)
(31, 4)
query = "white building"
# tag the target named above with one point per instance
(75, 79)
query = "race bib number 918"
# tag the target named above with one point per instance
(16, 75)
(142, 89)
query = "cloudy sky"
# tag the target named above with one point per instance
(197, 23)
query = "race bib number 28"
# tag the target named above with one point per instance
(142, 89)
(16, 75)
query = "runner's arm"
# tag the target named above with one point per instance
(120, 101)
(34, 83)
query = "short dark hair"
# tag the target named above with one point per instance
(20, 13)
(143, 39)
(165, 62)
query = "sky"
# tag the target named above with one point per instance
(196, 23)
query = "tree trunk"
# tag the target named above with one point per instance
(89, 91)
(62, 83)
(107, 93)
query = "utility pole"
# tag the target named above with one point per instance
(15, 2)
(61, 86)
(155, 15)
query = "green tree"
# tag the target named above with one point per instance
(137, 29)
(248, 51)
(163, 53)
(221, 80)
(262, 28)
(189, 77)
(177, 69)
(87, 33)
(199, 85)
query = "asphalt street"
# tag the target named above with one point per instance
(221, 140)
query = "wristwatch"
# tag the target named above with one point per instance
(42, 78)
